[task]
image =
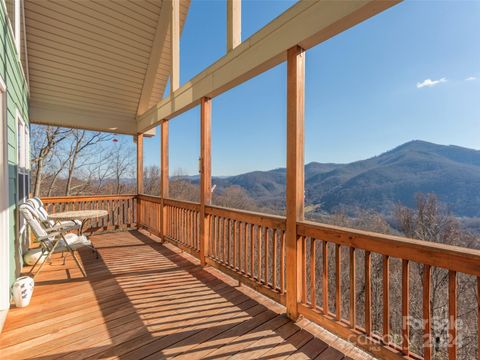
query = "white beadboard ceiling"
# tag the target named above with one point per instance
(88, 60)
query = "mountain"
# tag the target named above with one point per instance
(451, 172)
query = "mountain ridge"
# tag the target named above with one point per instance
(451, 172)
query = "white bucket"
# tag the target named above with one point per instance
(22, 291)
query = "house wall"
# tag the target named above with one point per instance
(17, 101)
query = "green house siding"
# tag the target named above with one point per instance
(17, 100)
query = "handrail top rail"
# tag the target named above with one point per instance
(158, 199)
(270, 221)
(446, 256)
(247, 212)
(84, 197)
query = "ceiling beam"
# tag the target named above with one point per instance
(175, 45)
(234, 24)
(81, 119)
(158, 43)
(307, 23)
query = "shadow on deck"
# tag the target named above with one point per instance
(146, 300)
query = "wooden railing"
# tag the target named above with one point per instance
(341, 248)
(122, 210)
(339, 268)
(249, 247)
(181, 221)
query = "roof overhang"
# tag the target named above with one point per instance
(97, 65)
(307, 23)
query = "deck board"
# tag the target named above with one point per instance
(146, 300)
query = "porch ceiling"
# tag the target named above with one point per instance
(97, 64)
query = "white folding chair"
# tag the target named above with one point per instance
(52, 240)
(42, 213)
(69, 225)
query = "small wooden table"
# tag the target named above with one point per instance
(82, 215)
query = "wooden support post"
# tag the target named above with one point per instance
(139, 175)
(205, 173)
(164, 185)
(139, 163)
(175, 46)
(295, 175)
(234, 24)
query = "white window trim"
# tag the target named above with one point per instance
(4, 204)
(23, 158)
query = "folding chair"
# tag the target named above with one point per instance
(42, 213)
(52, 240)
(70, 225)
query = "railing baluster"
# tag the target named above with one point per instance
(219, 239)
(183, 225)
(405, 307)
(224, 242)
(265, 254)
(427, 321)
(368, 293)
(235, 244)
(325, 277)
(191, 239)
(190, 229)
(386, 299)
(452, 315)
(252, 255)
(211, 232)
(175, 223)
(478, 317)
(282, 264)
(303, 259)
(179, 225)
(274, 260)
(338, 290)
(245, 249)
(243, 229)
(313, 260)
(227, 234)
(259, 253)
(170, 221)
(353, 313)
(216, 223)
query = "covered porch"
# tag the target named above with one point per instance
(191, 279)
(151, 295)
(144, 299)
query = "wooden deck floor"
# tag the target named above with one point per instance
(144, 300)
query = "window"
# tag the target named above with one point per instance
(23, 159)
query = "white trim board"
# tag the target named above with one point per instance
(4, 206)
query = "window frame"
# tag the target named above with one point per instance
(23, 157)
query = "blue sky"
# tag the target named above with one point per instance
(399, 76)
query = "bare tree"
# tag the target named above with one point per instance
(151, 180)
(45, 140)
(431, 221)
(122, 164)
(234, 197)
(70, 162)
(82, 141)
(182, 187)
